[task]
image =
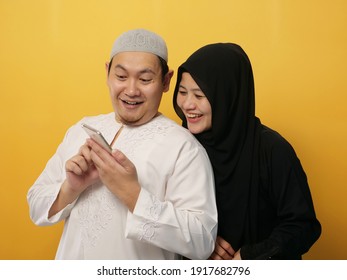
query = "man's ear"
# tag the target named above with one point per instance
(167, 80)
(107, 65)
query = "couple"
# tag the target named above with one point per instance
(156, 196)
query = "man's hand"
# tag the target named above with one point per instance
(80, 173)
(117, 172)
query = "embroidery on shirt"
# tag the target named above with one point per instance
(134, 137)
(148, 229)
(94, 220)
(95, 214)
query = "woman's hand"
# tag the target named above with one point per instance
(222, 250)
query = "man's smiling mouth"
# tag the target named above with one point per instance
(133, 103)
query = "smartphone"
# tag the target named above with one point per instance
(97, 136)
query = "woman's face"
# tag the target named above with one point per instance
(194, 105)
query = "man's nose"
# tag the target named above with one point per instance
(132, 88)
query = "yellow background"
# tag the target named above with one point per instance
(52, 56)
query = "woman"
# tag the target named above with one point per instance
(264, 203)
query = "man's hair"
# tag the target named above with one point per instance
(163, 65)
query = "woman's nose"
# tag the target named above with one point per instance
(189, 102)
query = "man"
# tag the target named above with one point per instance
(153, 196)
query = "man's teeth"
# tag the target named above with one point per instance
(131, 102)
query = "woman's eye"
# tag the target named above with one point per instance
(182, 92)
(199, 96)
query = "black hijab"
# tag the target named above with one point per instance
(224, 73)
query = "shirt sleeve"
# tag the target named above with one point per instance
(186, 222)
(44, 191)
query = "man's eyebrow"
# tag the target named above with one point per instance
(120, 66)
(146, 70)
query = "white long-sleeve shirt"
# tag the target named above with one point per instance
(175, 213)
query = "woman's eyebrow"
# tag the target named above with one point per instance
(192, 89)
(181, 86)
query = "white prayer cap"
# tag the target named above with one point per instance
(140, 40)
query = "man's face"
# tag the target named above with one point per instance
(136, 86)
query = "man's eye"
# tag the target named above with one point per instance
(121, 77)
(145, 80)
